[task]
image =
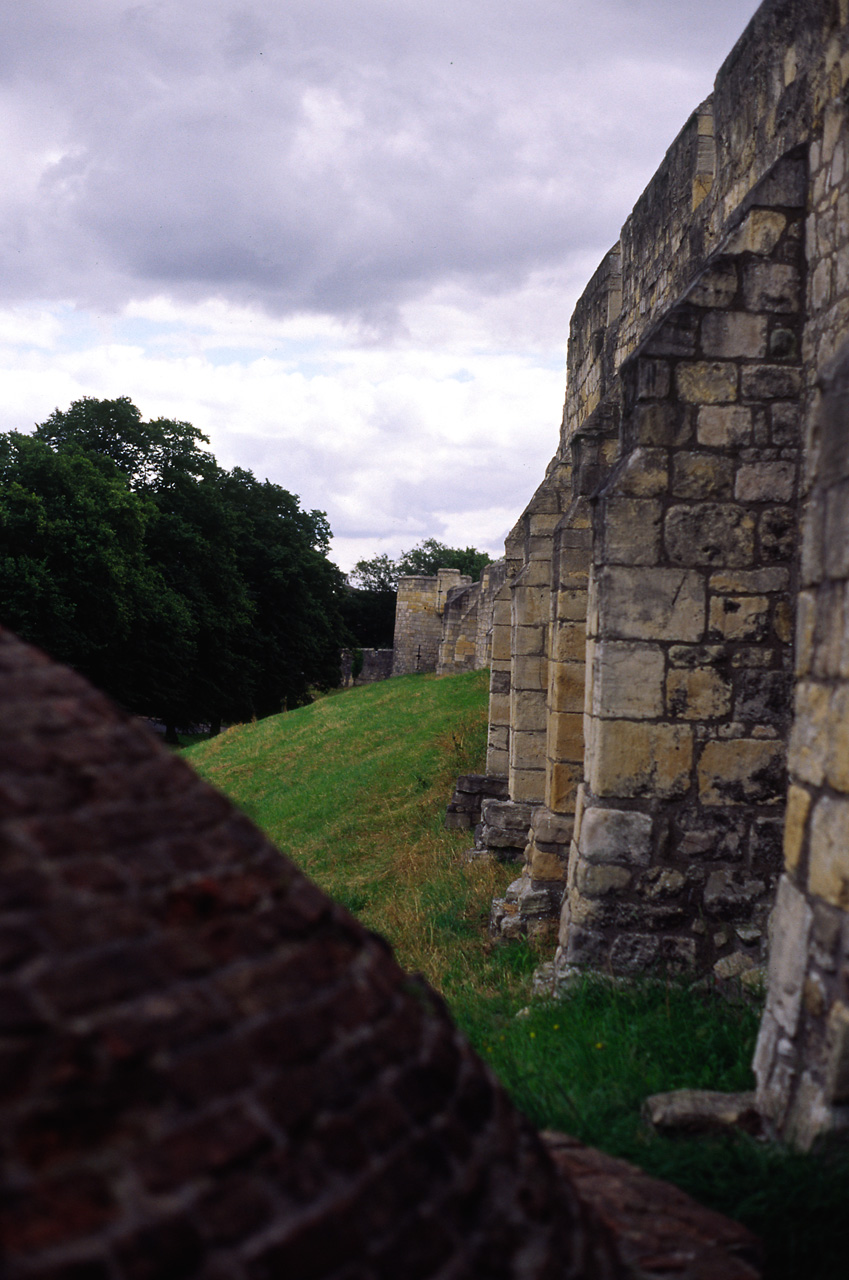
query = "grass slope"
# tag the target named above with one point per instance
(354, 789)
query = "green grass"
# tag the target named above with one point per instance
(354, 789)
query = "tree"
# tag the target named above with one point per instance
(185, 591)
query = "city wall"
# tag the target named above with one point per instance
(652, 656)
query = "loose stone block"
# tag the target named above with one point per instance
(631, 531)
(615, 835)
(702, 475)
(771, 286)
(698, 694)
(828, 873)
(729, 334)
(765, 482)
(738, 617)
(627, 680)
(651, 603)
(741, 771)
(709, 533)
(706, 382)
(724, 426)
(635, 758)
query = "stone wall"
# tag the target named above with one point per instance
(643, 643)
(444, 622)
(376, 665)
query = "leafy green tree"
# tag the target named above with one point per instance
(430, 556)
(185, 591)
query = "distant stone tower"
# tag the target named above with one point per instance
(418, 619)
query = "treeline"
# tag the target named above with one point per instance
(187, 592)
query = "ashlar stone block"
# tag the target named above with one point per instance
(697, 694)
(798, 808)
(567, 686)
(563, 779)
(631, 531)
(771, 286)
(645, 474)
(616, 835)
(651, 603)
(706, 381)
(732, 334)
(702, 475)
(742, 771)
(724, 426)
(759, 232)
(710, 533)
(765, 482)
(792, 919)
(739, 617)
(598, 881)
(828, 872)
(566, 736)
(627, 680)
(634, 758)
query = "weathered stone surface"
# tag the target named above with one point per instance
(828, 874)
(615, 835)
(723, 426)
(627, 680)
(633, 758)
(792, 926)
(707, 382)
(697, 694)
(702, 1111)
(709, 534)
(652, 603)
(742, 771)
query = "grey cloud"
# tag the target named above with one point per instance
(323, 156)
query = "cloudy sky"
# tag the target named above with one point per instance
(342, 237)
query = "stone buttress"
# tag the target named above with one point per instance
(643, 659)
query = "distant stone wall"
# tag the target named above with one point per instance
(443, 623)
(419, 608)
(641, 694)
(376, 665)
